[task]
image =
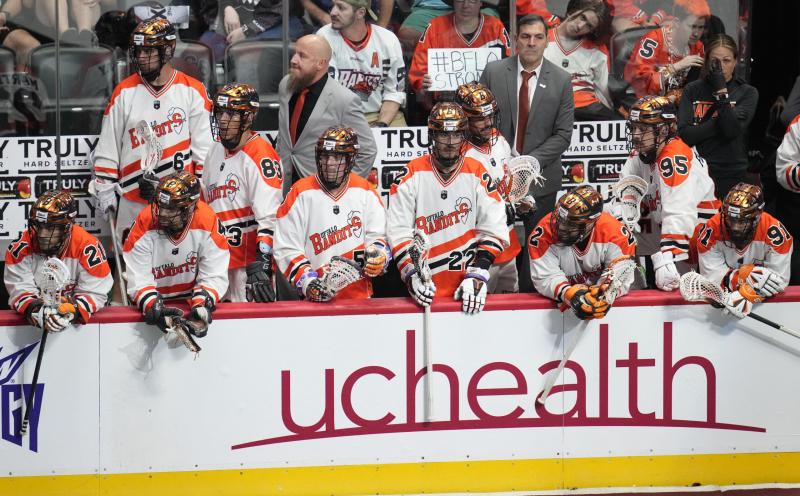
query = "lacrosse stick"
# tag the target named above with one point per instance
(627, 195)
(50, 280)
(340, 273)
(520, 172)
(177, 331)
(418, 251)
(695, 287)
(150, 152)
(112, 221)
(615, 279)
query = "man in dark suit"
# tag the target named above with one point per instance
(542, 125)
(310, 103)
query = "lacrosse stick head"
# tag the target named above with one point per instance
(418, 251)
(340, 273)
(519, 173)
(618, 277)
(178, 333)
(51, 279)
(695, 287)
(628, 193)
(150, 150)
(51, 220)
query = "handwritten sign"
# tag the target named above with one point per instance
(451, 67)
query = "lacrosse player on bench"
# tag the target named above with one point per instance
(52, 232)
(176, 249)
(575, 252)
(330, 236)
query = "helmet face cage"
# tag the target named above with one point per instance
(235, 108)
(650, 114)
(575, 215)
(50, 222)
(153, 33)
(175, 200)
(447, 128)
(741, 212)
(479, 105)
(335, 154)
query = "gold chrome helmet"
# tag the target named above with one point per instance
(176, 197)
(153, 33)
(234, 98)
(479, 103)
(575, 215)
(447, 127)
(50, 221)
(651, 113)
(335, 152)
(741, 212)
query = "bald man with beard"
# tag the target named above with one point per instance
(310, 103)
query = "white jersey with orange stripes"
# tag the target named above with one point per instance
(89, 275)
(555, 267)
(587, 64)
(680, 195)
(314, 226)
(495, 157)
(461, 215)
(244, 189)
(158, 264)
(720, 260)
(787, 162)
(179, 116)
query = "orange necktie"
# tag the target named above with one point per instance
(524, 108)
(298, 109)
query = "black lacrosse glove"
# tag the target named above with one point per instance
(148, 182)
(259, 286)
(716, 78)
(511, 214)
(202, 306)
(34, 314)
(161, 315)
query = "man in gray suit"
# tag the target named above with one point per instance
(310, 103)
(542, 125)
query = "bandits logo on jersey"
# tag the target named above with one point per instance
(440, 220)
(170, 269)
(226, 190)
(176, 118)
(334, 235)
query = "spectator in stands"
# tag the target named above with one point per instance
(422, 13)
(368, 60)
(466, 27)
(311, 102)
(573, 46)
(661, 61)
(538, 7)
(715, 112)
(319, 11)
(542, 125)
(14, 36)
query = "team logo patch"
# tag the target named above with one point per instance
(463, 207)
(175, 251)
(354, 219)
(156, 104)
(336, 209)
(177, 117)
(444, 194)
(565, 63)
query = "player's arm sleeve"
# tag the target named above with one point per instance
(394, 86)
(212, 265)
(419, 62)
(18, 275)
(678, 213)
(138, 255)
(289, 239)
(200, 128)
(787, 169)
(106, 154)
(400, 222)
(640, 71)
(94, 282)
(557, 143)
(546, 274)
(265, 184)
(711, 260)
(490, 224)
(375, 231)
(368, 151)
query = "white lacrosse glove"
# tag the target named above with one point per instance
(766, 282)
(57, 321)
(36, 314)
(667, 276)
(421, 291)
(377, 259)
(105, 195)
(472, 290)
(312, 289)
(737, 305)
